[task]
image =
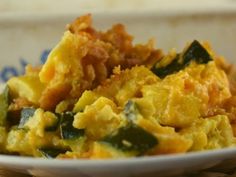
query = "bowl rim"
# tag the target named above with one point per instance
(20, 161)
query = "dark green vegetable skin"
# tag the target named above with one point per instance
(131, 138)
(51, 152)
(26, 113)
(195, 52)
(67, 129)
(4, 103)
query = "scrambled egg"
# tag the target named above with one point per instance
(100, 96)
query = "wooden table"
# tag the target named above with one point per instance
(207, 173)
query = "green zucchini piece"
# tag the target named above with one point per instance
(51, 152)
(4, 103)
(195, 52)
(26, 113)
(173, 67)
(66, 128)
(131, 138)
(130, 110)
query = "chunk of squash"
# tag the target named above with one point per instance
(4, 103)
(210, 133)
(27, 86)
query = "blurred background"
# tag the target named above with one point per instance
(75, 6)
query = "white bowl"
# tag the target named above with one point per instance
(163, 165)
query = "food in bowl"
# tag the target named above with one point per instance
(99, 96)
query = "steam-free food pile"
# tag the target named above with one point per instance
(100, 96)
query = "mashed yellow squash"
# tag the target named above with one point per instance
(100, 96)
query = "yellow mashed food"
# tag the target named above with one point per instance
(100, 96)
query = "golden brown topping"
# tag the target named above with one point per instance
(86, 57)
